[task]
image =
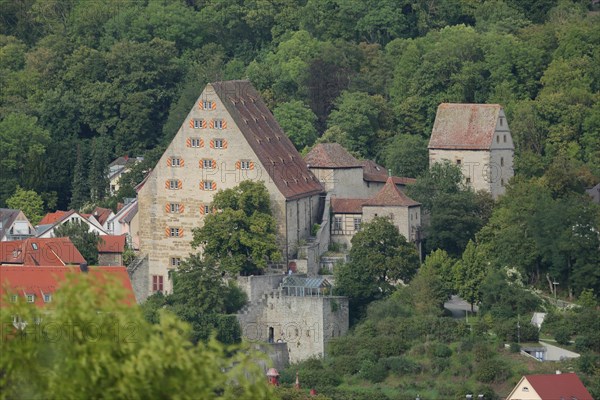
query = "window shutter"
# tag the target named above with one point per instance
(224, 143)
(181, 162)
(238, 164)
(192, 123)
(204, 123)
(168, 208)
(214, 185)
(188, 142)
(211, 125)
(251, 165)
(201, 164)
(168, 231)
(181, 208)
(201, 142)
(167, 185)
(180, 232)
(224, 124)
(201, 209)
(212, 143)
(169, 162)
(214, 105)
(201, 185)
(200, 105)
(214, 164)
(179, 184)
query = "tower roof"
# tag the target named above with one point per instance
(464, 126)
(266, 138)
(389, 195)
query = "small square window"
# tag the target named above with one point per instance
(14, 298)
(245, 164)
(175, 261)
(174, 232)
(458, 162)
(31, 298)
(357, 222)
(176, 162)
(206, 209)
(218, 143)
(195, 142)
(207, 163)
(208, 105)
(468, 180)
(173, 184)
(208, 185)
(174, 207)
(219, 124)
(47, 297)
(199, 124)
(157, 283)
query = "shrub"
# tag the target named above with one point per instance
(515, 347)
(492, 370)
(373, 371)
(562, 335)
(345, 364)
(401, 365)
(439, 350)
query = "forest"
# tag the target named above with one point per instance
(84, 82)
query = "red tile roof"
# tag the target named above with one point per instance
(46, 279)
(51, 218)
(271, 145)
(373, 172)
(101, 214)
(390, 195)
(559, 386)
(111, 244)
(464, 126)
(330, 155)
(36, 251)
(347, 206)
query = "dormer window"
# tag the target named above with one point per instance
(34, 246)
(30, 298)
(47, 297)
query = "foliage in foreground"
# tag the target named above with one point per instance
(93, 344)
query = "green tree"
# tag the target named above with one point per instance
(98, 168)
(24, 142)
(29, 202)
(241, 236)
(80, 190)
(202, 298)
(298, 122)
(406, 155)
(101, 345)
(85, 241)
(469, 273)
(380, 258)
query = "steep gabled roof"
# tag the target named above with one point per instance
(111, 244)
(558, 386)
(8, 216)
(43, 228)
(330, 155)
(37, 251)
(101, 214)
(266, 138)
(464, 126)
(389, 195)
(347, 206)
(46, 279)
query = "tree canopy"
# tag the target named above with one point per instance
(85, 241)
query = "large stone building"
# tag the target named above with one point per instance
(228, 136)
(360, 190)
(477, 138)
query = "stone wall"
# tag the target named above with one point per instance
(256, 286)
(306, 324)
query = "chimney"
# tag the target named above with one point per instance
(83, 267)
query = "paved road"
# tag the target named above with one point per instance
(458, 306)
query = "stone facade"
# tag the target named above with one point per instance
(306, 324)
(477, 138)
(209, 153)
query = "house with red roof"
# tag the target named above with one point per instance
(550, 387)
(37, 285)
(126, 222)
(111, 249)
(476, 138)
(52, 252)
(227, 137)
